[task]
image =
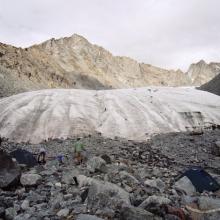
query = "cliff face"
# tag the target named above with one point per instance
(73, 62)
(201, 72)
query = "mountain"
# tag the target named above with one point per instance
(201, 72)
(73, 62)
(212, 86)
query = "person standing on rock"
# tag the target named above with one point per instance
(42, 156)
(78, 148)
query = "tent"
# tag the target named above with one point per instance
(24, 157)
(201, 180)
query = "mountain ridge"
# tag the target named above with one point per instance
(73, 62)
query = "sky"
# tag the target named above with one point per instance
(170, 34)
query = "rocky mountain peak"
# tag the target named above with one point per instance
(74, 62)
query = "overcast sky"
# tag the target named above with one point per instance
(165, 33)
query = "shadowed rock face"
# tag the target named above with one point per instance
(212, 86)
(128, 113)
(73, 62)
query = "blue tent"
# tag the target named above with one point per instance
(201, 180)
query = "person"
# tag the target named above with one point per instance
(60, 159)
(42, 156)
(78, 148)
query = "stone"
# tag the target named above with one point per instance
(10, 213)
(63, 213)
(185, 185)
(96, 164)
(106, 194)
(87, 217)
(35, 197)
(2, 212)
(156, 183)
(30, 179)
(9, 171)
(207, 203)
(135, 213)
(106, 158)
(128, 178)
(159, 200)
(25, 216)
(25, 204)
(216, 149)
(67, 177)
(58, 185)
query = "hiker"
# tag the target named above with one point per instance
(60, 159)
(42, 156)
(78, 148)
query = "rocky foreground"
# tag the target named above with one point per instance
(119, 179)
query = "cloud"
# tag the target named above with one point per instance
(166, 33)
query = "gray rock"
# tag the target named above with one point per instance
(216, 149)
(106, 194)
(68, 176)
(207, 203)
(10, 213)
(106, 158)
(25, 216)
(135, 213)
(185, 185)
(87, 217)
(156, 183)
(128, 178)
(96, 164)
(159, 200)
(2, 212)
(63, 213)
(30, 179)
(55, 202)
(34, 197)
(9, 171)
(25, 204)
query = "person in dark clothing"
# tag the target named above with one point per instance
(42, 156)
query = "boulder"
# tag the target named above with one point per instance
(128, 178)
(30, 179)
(135, 213)
(185, 185)
(87, 217)
(156, 183)
(2, 212)
(9, 171)
(207, 203)
(63, 213)
(10, 213)
(216, 149)
(68, 177)
(154, 200)
(96, 164)
(25, 204)
(105, 194)
(106, 158)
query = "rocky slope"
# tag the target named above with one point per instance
(118, 180)
(129, 113)
(212, 86)
(73, 62)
